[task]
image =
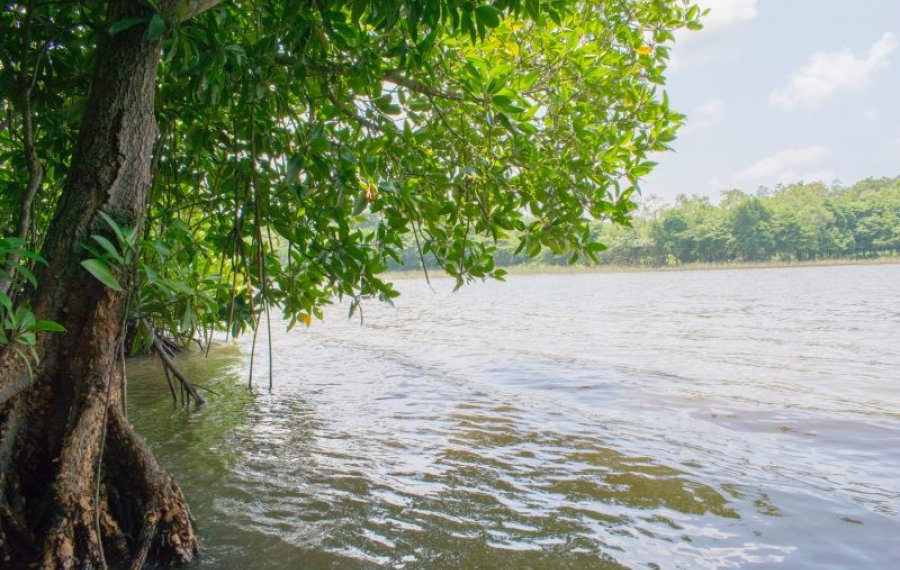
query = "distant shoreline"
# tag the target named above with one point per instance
(544, 269)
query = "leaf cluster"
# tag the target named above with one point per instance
(301, 144)
(18, 325)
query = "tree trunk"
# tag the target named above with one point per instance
(60, 422)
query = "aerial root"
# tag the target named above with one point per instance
(169, 366)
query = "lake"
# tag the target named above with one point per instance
(695, 419)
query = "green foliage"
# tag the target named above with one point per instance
(18, 325)
(15, 248)
(110, 260)
(302, 145)
(49, 49)
(173, 290)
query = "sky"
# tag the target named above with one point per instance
(779, 91)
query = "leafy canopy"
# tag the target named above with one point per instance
(300, 141)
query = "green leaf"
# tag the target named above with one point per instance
(319, 144)
(25, 318)
(109, 247)
(187, 319)
(554, 15)
(49, 326)
(501, 100)
(28, 254)
(359, 205)
(156, 27)
(100, 270)
(25, 272)
(125, 24)
(488, 15)
(6, 302)
(120, 235)
(28, 339)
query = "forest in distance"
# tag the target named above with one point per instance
(801, 222)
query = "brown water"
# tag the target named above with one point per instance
(708, 419)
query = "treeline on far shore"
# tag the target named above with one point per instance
(792, 223)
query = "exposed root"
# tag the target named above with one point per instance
(139, 514)
(145, 540)
(113, 537)
(72, 541)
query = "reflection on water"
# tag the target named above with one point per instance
(664, 420)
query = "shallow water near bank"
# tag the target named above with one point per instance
(708, 419)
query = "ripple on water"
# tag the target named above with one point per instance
(716, 422)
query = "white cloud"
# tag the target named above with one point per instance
(710, 43)
(828, 72)
(871, 115)
(726, 13)
(788, 165)
(708, 114)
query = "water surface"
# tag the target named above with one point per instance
(704, 419)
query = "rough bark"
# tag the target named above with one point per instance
(59, 423)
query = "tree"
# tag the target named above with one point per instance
(189, 165)
(751, 233)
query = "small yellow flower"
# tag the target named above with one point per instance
(306, 319)
(645, 50)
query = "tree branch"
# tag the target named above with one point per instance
(419, 87)
(362, 121)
